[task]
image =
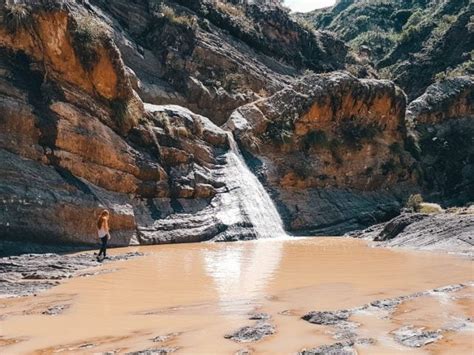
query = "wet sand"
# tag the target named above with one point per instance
(194, 294)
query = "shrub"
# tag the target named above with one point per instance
(87, 35)
(279, 131)
(305, 24)
(388, 166)
(228, 8)
(170, 14)
(430, 208)
(119, 111)
(181, 131)
(353, 132)
(414, 202)
(17, 17)
(198, 127)
(164, 122)
(313, 139)
(395, 148)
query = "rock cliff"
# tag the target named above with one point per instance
(441, 125)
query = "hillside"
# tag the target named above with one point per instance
(412, 42)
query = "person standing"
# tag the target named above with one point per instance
(103, 233)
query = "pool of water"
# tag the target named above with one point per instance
(200, 292)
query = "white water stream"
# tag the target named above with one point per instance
(253, 200)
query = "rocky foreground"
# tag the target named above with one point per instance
(28, 274)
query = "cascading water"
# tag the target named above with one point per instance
(254, 203)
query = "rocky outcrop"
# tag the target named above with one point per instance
(451, 231)
(441, 124)
(332, 149)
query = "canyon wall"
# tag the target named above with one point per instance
(89, 119)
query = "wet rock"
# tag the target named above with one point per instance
(164, 338)
(260, 316)
(251, 333)
(387, 304)
(415, 337)
(366, 341)
(342, 348)
(56, 310)
(159, 351)
(449, 288)
(327, 317)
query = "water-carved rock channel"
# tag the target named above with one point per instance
(268, 296)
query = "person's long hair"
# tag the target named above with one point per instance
(104, 215)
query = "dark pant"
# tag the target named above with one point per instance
(103, 247)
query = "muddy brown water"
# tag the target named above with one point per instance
(194, 294)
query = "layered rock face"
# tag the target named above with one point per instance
(331, 148)
(76, 138)
(442, 128)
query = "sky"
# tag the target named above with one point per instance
(307, 5)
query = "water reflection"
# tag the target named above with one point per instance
(241, 271)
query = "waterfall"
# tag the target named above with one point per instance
(253, 200)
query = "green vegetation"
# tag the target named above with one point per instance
(414, 201)
(280, 132)
(412, 42)
(17, 17)
(316, 138)
(430, 208)
(181, 20)
(88, 34)
(354, 132)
